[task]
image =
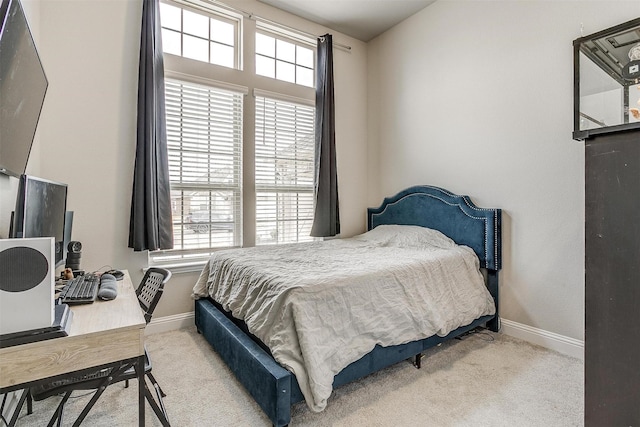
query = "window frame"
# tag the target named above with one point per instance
(241, 79)
(211, 12)
(269, 31)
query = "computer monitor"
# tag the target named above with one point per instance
(40, 211)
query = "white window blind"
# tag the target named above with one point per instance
(204, 138)
(284, 168)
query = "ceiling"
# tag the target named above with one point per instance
(361, 19)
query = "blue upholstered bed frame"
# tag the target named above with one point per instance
(274, 388)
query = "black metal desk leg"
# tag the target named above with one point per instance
(24, 397)
(141, 387)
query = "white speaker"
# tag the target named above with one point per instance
(27, 270)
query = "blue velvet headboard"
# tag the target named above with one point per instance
(455, 216)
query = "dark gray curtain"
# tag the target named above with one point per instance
(150, 226)
(326, 218)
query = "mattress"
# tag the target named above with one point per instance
(319, 306)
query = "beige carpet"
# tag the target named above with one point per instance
(484, 380)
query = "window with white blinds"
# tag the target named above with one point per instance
(204, 138)
(210, 156)
(284, 168)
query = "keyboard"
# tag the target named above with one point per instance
(81, 289)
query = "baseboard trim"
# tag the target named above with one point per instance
(560, 343)
(170, 323)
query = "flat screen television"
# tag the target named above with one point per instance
(23, 86)
(40, 211)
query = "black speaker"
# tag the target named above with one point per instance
(74, 253)
(27, 272)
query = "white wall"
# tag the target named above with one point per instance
(89, 50)
(476, 97)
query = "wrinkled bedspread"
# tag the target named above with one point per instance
(320, 306)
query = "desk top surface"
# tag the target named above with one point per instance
(101, 333)
(120, 313)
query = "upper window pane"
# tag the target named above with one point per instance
(304, 76)
(222, 55)
(195, 24)
(265, 45)
(199, 36)
(285, 71)
(222, 32)
(304, 57)
(171, 42)
(195, 48)
(284, 60)
(171, 17)
(265, 66)
(285, 51)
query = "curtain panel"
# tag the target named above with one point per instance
(326, 219)
(150, 226)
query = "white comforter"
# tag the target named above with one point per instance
(320, 306)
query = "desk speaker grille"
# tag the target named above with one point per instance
(21, 269)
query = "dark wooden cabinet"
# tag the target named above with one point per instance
(612, 267)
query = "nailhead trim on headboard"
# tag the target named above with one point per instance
(491, 258)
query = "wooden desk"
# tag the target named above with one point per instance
(101, 333)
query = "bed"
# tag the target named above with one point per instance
(450, 223)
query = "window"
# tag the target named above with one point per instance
(204, 138)
(219, 136)
(284, 60)
(199, 36)
(284, 156)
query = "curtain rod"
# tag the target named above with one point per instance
(255, 17)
